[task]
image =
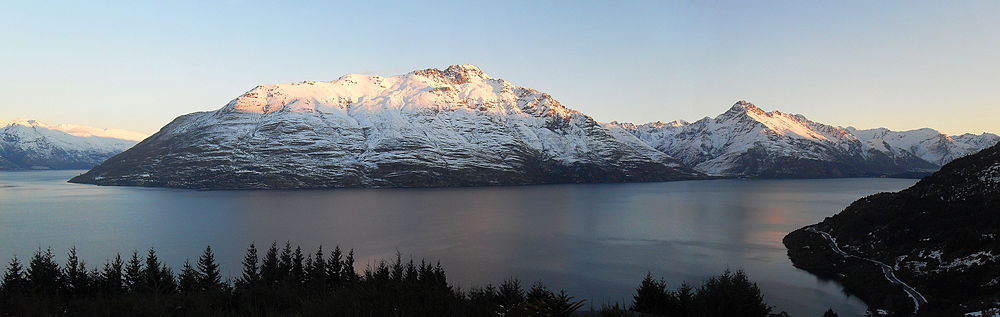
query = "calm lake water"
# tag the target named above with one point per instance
(595, 241)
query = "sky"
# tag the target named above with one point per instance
(136, 65)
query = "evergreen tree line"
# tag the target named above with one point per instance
(729, 294)
(286, 281)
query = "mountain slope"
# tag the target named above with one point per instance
(928, 144)
(942, 235)
(456, 127)
(747, 141)
(30, 144)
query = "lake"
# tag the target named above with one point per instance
(596, 241)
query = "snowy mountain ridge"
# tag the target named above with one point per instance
(79, 130)
(31, 144)
(926, 143)
(747, 141)
(451, 127)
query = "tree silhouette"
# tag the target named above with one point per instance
(44, 274)
(159, 278)
(297, 272)
(209, 279)
(14, 279)
(685, 300)
(731, 294)
(270, 271)
(251, 271)
(111, 276)
(386, 288)
(189, 279)
(285, 263)
(348, 268)
(135, 280)
(78, 283)
(335, 267)
(653, 297)
(317, 271)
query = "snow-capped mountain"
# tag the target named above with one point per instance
(452, 127)
(747, 141)
(30, 144)
(928, 144)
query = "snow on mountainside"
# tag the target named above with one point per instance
(747, 141)
(452, 127)
(30, 144)
(928, 144)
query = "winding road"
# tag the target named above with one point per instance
(890, 275)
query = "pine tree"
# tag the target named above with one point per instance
(439, 277)
(347, 270)
(270, 271)
(830, 313)
(111, 277)
(78, 283)
(307, 269)
(210, 279)
(397, 268)
(159, 277)
(510, 296)
(411, 275)
(168, 282)
(251, 272)
(297, 273)
(44, 274)
(285, 263)
(317, 271)
(135, 280)
(15, 281)
(731, 294)
(652, 297)
(188, 280)
(334, 268)
(538, 293)
(685, 299)
(152, 271)
(95, 280)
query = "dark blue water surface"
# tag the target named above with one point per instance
(595, 241)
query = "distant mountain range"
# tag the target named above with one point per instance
(30, 144)
(941, 237)
(746, 141)
(452, 127)
(461, 127)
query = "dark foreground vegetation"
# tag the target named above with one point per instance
(287, 282)
(953, 214)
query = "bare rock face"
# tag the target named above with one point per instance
(427, 128)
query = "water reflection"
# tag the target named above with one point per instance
(596, 241)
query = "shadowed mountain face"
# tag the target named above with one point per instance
(452, 127)
(30, 144)
(941, 235)
(747, 141)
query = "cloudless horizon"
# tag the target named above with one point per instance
(136, 66)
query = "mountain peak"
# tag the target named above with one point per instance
(455, 74)
(745, 106)
(78, 130)
(432, 127)
(464, 68)
(22, 121)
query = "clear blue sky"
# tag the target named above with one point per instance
(138, 64)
